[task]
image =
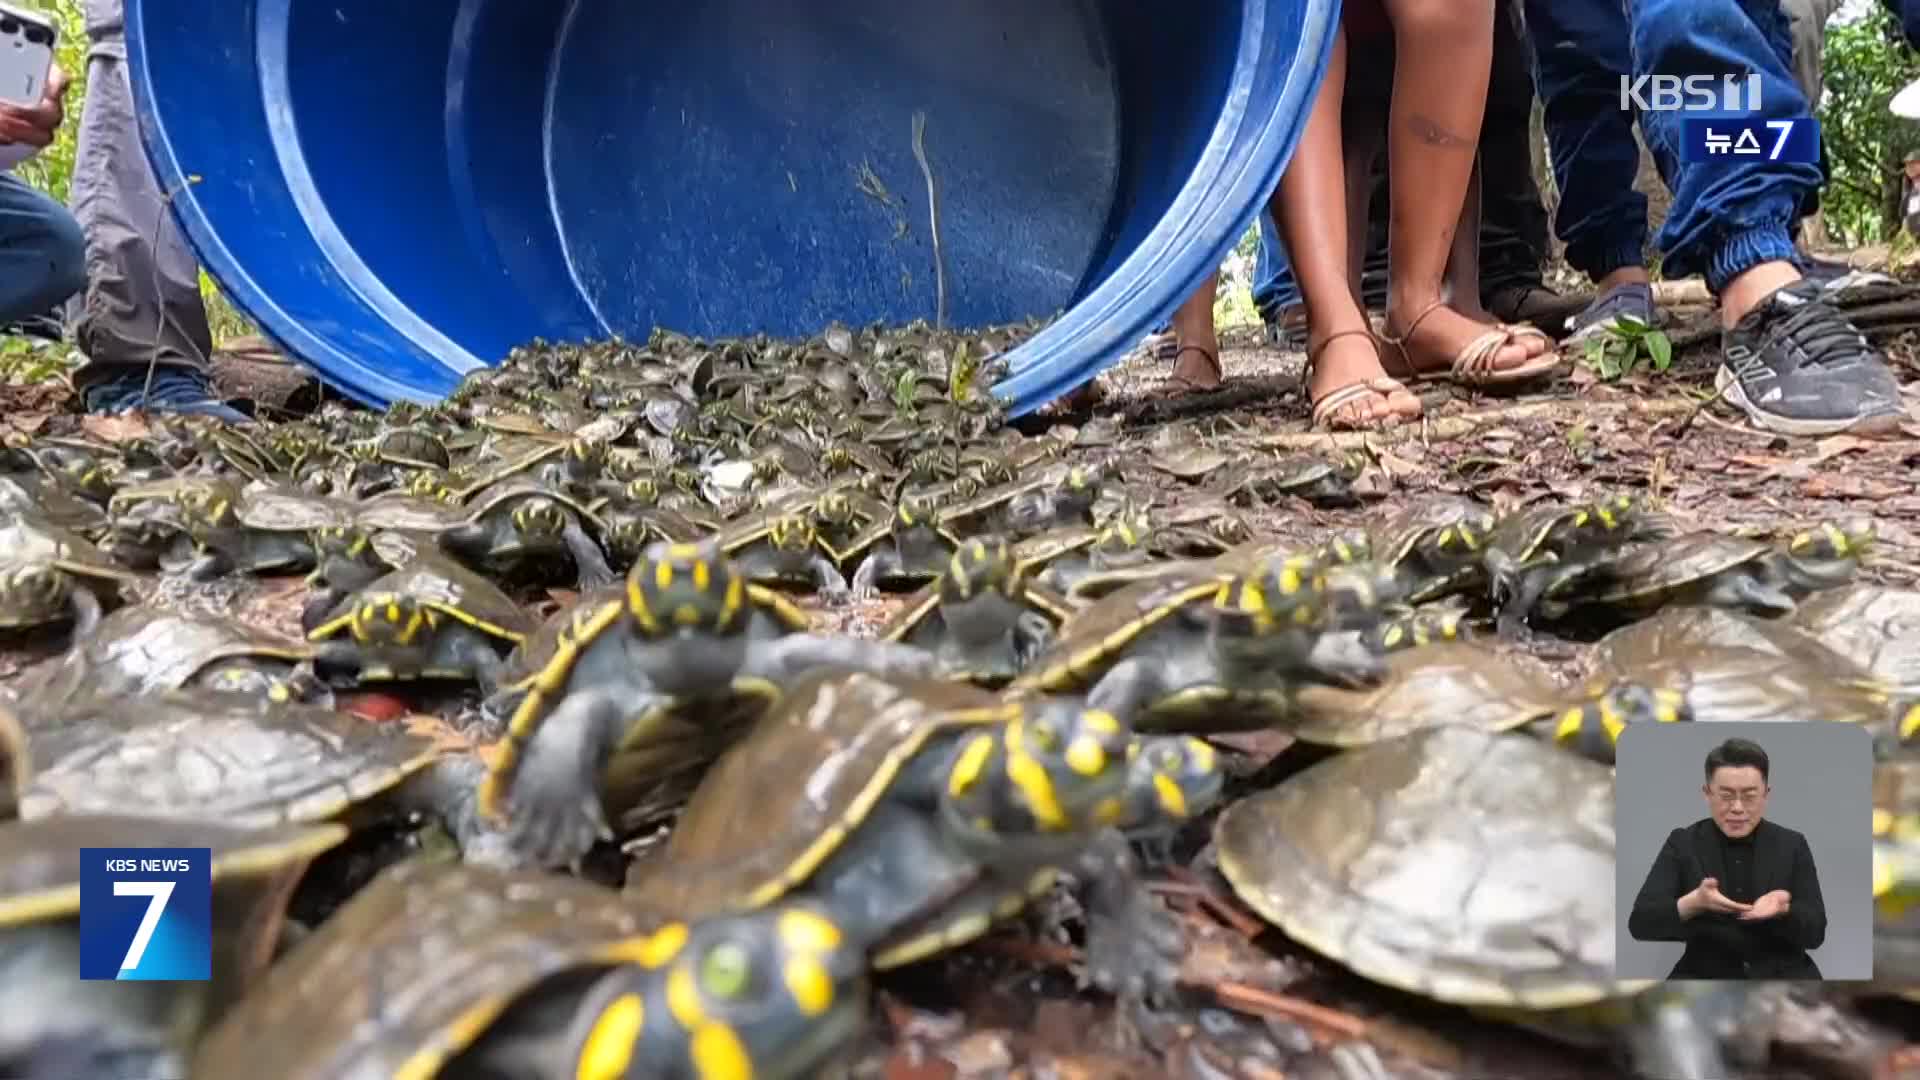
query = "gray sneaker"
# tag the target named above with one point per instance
(1630, 301)
(1796, 365)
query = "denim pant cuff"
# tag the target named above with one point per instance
(1599, 261)
(1742, 251)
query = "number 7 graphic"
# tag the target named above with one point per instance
(157, 894)
(1785, 128)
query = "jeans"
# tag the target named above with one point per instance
(142, 278)
(43, 256)
(1726, 217)
(1907, 14)
(1513, 222)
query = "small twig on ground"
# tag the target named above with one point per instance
(933, 221)
(1260, 1002)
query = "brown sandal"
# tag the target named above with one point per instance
(1473, 365)
(1187, 386)
(1326, 408)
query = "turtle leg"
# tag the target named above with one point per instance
(1032, 633)
(208, 565)
(827, 578)
(1745, 592)
(1127, 688)
(342, 657)
(1134, 946)
(588, 559)
(1527, 587)
(553, 805)
(467, 542)
(1344, 661)
(881, 561)
(785, 658)
(86, 611)
(318, 607)
(475, 653)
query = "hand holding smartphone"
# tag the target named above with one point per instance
(27, 39)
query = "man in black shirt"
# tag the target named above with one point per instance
(1741, 891)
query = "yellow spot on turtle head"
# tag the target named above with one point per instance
(969, 765)
(660, 947)
(1393, 636)
(1109, 811)
(805, 931)
(279, 693)
(1172, 799)
(1446, 538)
(683, 998)
(1086, 756)
(1882, 876)
(719, 1055)
(1030, 777)
(663, 574)
(608, 1050)
(812, 988)
(1580, 517)
(1882, 821)
(392, 612)
(1667, 705)
(687, 615)
(1837, 539)
(1100, 720)
(702, 575)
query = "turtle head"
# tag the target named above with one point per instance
(1463, 541)
(793, 533)
(33, 592)
(1171, 779)
(1285, 593)
(1414, 630)
(586, 457)
(979, 567)
(644, 490)
(1593, 726)
(685, 589)
(915, 511)
(1346, 548)
(209, 507)
(772, 992)
(539, 518)
(1611, 518)
(388, 620)
(836, 459)
(627, 535)
(1125, 532)
(833, 508)
(341, 541)
(1053, 769)
(1356, 596)
(1827, 555)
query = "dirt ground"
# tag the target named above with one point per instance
(1259, 1006)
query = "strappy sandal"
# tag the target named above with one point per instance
(1185, 385)
(1473, 365)
(1326, 409)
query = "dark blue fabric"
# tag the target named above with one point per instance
(171, 390)
(43, 256)
(1726, 216)
(1907, 13)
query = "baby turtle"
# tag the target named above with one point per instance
(1467, 866)
(1171, 780)
(1202, 652)
(918, 813)
(48, 575)
(983, 620)
(1530, 550)
(517, 525)
(1023, 508)
(908, 550)
(1876, 626)
(60, 1025)
(259, 530)
(1414, 629)
(1442, 683)
(1711, 683)
(1437, 547)
(431, 619)
(784, 549)
(146, 650)
(445, 970)
(669, 671)
(1824, 557)
(1697, 568)
(1062, 559)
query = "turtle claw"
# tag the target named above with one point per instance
(1134, 946)
(557, 833)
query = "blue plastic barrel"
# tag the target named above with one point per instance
(398, 193)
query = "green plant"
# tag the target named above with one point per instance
(31, 360)
(1864, 65)
(1617, 350)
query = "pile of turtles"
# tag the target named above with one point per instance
(647, 813)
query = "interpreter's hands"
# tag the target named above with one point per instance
(1772, 905)
(1707, 897)
(35, 125)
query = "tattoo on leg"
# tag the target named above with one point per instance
(1432, 133)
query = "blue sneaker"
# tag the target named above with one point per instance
(174, 390)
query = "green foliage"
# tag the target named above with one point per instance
(1864, 65)
(52, 169)
(1616, 351)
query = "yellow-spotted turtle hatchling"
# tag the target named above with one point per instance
(982, 619)
(430, 619)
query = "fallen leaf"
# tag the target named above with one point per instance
(28, 423)
(117, 428)
(1834, 446)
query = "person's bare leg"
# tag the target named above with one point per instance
(1196, 366)
(1310, 206)
(1443, 55)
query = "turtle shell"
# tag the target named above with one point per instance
(208, 755)
(743, 841)
(144, 650)
(288, 509)
(502, 495)
(413, 970)
(1095, 637)
(1445, 682)
(925, 604)
(1035, 552)
(1676, 629)
(1396, 537)
(1653, 573)
(30, 539)
(47, 501)
(1876, 626)
(1732, 683)
(447, 587)
(407, 513)
(1471, 867)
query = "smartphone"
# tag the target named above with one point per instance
(26, 53)
(27, 38)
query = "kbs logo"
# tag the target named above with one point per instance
(1690, 93)
(146, 913)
